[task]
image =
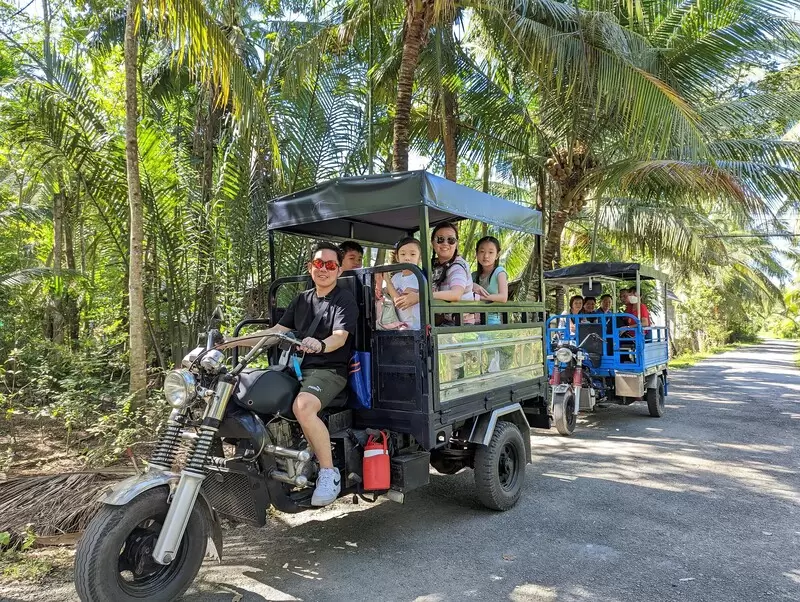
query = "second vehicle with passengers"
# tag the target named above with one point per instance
(605, 356)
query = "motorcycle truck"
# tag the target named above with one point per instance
(448, 396)
(607, 358)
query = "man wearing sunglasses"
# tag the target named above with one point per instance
(328, 350)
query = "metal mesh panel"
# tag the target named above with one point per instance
(232, 495)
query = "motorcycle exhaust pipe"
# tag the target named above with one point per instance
(302, 455)
(297, 481)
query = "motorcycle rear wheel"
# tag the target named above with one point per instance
(113, 560)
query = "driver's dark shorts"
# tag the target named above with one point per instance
(323, 383)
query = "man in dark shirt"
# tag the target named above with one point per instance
(328, 350)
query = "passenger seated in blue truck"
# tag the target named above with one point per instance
(575, 307)
(631, 301)
(589, 307)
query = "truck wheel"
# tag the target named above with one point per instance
(564, 418)
(114, 560)
(500, 467)
(655, 399)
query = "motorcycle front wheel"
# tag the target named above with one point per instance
(564, 418)
(114, 561)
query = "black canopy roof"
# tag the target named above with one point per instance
(383, 208)
(576, 274)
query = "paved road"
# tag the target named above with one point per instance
(701, 505)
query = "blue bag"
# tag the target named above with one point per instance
(360, 381)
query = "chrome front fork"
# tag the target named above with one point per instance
(577, 390)
(192, 477)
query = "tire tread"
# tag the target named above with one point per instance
(90, 550)
(488, 486)
(652, 399)
(560, 420)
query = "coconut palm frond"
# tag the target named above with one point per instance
(29, 275)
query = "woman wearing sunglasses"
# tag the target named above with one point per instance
(451, 279)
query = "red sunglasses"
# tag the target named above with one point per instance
(329, 265)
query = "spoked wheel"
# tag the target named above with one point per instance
(114, 559)
(655, 399)
(564, 418)
(500, 468)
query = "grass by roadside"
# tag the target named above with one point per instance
(21, 562)
(690, 359)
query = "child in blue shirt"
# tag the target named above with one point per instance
(491, 279)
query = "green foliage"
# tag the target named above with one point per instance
(238, 105)
(785, 323)
(17, 562)
(712, 317)
(86, 391)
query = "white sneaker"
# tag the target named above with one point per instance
(329, 484)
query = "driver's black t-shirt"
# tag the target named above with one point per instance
(341, 314)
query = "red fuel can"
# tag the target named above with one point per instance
(377, 468)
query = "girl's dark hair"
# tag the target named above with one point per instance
(496, 244)
(572, 299)
(407, 240)
(446, 266)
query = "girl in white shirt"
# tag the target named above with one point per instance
(407, 250)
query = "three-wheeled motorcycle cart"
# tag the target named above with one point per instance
(606, 357)
(450, 397)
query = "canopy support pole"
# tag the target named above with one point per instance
(638, 296)
(370, 158)
(271, 238)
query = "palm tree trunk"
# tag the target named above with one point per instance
(70, 302)
(449, 136)
(414, 40)
(58, 246)
(136, 325)
(552, 246)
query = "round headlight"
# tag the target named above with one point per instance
(564, 355)
(180, 388)
(212, 360)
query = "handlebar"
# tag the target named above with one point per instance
(259, 345)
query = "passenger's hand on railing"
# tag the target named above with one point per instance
(479, 290)
(406, 300)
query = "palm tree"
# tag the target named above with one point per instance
(211, 58)
(136, 325)
(617, 102)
